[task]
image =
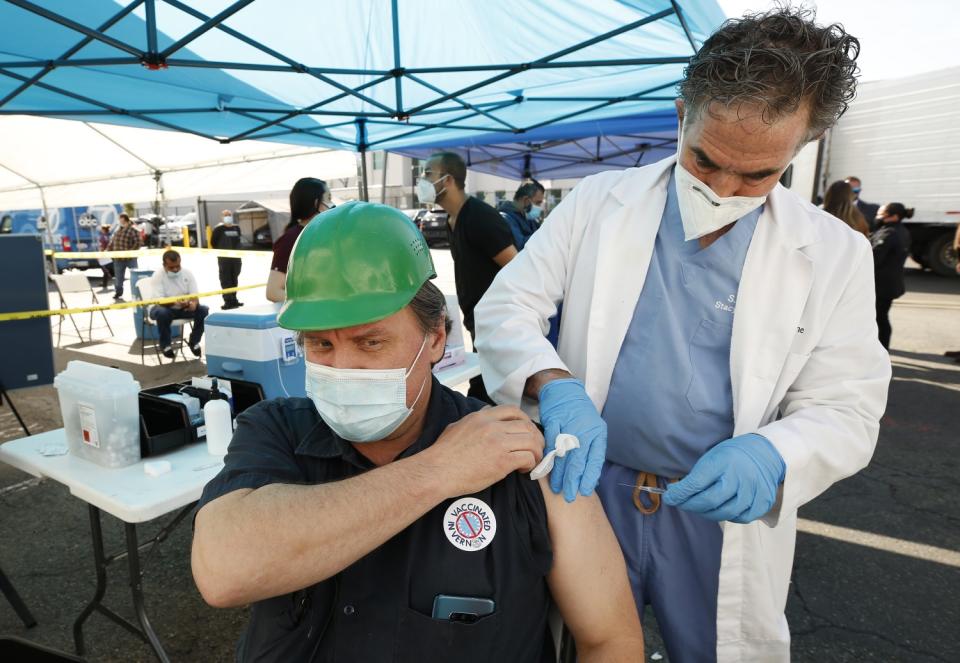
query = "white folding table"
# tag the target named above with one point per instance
(134, 497)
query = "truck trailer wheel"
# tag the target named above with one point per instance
(940, 257)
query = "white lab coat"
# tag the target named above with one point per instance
(806, 368)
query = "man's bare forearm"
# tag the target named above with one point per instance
(627, 648)
(536, 381)
(251, 545)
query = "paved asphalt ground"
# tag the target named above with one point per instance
(877, 568)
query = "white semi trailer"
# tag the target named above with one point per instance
(901, 137)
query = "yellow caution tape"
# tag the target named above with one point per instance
(142, 253)
(27, 315)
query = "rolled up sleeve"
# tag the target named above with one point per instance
(261, 453)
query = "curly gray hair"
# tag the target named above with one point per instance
(778, 60)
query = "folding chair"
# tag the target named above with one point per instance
(76, 282)
(147, 290)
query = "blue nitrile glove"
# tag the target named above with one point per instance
(736, 480)
(566, 408)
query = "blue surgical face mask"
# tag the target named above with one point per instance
(535, 212)
(856, 190)
(362, 404)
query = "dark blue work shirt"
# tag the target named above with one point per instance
(380, 607)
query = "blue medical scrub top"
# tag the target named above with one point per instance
(670, 397)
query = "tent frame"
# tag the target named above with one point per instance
(591, 154)
(272, 122)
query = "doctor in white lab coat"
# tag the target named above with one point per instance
(808, 379)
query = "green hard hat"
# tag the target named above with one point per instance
(354, 264)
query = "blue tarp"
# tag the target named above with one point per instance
(358, 74)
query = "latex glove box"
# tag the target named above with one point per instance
(247, 344)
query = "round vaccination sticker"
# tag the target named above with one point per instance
(469, 524)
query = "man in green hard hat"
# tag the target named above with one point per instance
(386, 517)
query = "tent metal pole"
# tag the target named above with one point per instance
(302, 111)
(683, 24)
(74, 49)
(362, 192)
(46, 230)
(355, 92)
(633, 97)
(206, 27)
(362, 149)
(544, 60)
(151, 12)
(383, 180)
(66, 62)
(43, 206)
(100, 104)
(463, 103)
(77, 27)
(449, 122)
(397, 70)
(566, 64)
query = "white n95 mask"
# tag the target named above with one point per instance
(701, 210)
(426, 192)
(361, 404)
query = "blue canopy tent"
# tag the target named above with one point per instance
(567, 150)
(360, 75)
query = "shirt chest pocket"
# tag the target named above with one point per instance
(421, 638)
(708, 391)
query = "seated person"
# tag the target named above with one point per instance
(171, 282)
(347, 518)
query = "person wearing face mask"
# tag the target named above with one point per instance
(891, 246)
(522, 213)
(480, 240)
(869, 210)
(174, 281)
(385, 516)
(715, 342)
(227, 236)
(308, 197)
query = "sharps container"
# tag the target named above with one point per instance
(247, 344)
(100, 413)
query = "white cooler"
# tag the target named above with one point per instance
(247, 344)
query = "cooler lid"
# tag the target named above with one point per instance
(254, 317)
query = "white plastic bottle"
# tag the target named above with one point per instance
(219, 423)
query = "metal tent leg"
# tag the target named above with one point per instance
(101, 565)
(14, 598)
(136, 588)
(5, 395)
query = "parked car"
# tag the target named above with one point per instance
(262, 240)
(170, 231)
(432, 224)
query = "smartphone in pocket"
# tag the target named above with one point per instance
(463, 609)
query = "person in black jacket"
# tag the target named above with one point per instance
(869, 210)
(227, 236)
(891, 245)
